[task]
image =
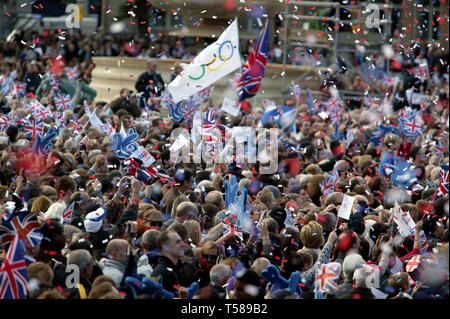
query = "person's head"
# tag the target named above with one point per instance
(55, 211)
(53, 235)
(66, 187)
(184, 179)
(313, 189)
(215, 197)
(348, 241)
(103, 278)
(399, 282)
(178, 200)
(246, 285)
(84, 260)
(185, 211)
(219, 274)
(259, 208)
(194, 231)
(41, 204)
(117, 250)
(171, 245)
(151, 66)
(42, 273)
(413, 210)
(433, 226)
(150, 239)
(260, 264)
(311, 235)
(351, 262)
(153, 218)
(209, 252)
(391, 142)
(327, 220)
(101, 290)
(266, 197)
(361, 274)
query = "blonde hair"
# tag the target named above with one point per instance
(311, 235)
(216, 198)
(41, 204)
(208, 246)
(193, 231)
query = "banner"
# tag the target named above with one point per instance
(213, 63)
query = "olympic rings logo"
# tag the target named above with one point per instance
(211, 65)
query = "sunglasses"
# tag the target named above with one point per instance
(157, 224)
(209, 256)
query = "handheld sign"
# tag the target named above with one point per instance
(346, 207)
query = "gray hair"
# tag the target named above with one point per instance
(351, 262)
(219, 274)
(360, 275)
(150, 239)
(80, 257)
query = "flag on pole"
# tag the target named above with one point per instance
(442, 189)
(33, 129)
(254, 69)
(13, 274)
(213, 63)
(63, 102)
(67, 214)
(24, 224)
(327, 186)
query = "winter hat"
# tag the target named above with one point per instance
(275, 191)
(93, 221)
(356, 223)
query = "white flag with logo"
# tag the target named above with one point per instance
(213, 63)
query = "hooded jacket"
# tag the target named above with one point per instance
(113, 269)
(168, 274)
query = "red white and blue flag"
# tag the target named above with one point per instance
(33, 129)
(208, 124)
(410, 124)
(19, 88)
(67, 214)
(231, 229)
(72, 73)
(254, 68)
(13, 274)
(326, 277)
(41, 113)
(63, 102)
(24, 224)
(327, 186)
(442, 189)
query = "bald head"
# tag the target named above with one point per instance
(260, 264)
(219, 274)
(117, 250)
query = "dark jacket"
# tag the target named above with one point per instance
(359, 293)
(344, 288)
(150, 83)
(32, 81)
(169, 275)
(127, 104)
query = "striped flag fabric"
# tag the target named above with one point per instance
(63, 102)
(442, 189)
(327, 186)
(24, 224)
(33, 129)
(13, 273)
(67, 214)
(254, 68)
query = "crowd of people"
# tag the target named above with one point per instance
(173, 234)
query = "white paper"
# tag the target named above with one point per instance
(378, 293)
(142, 154)
(179, 143)
(346, 208)
(323, 115)
(404, 221)
(229, 106)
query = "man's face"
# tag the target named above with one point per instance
(241, 290)
(174, 245)
(121, 254)
(152, 68)
(210, 257)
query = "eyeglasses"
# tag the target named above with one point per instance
(209, 256)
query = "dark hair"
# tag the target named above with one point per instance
(430, 224)
(12, 132)
(163, 238)
(49, 229)
(377, 229)
(66, 183)
(181, 230)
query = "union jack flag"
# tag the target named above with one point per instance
(41, 113)
(209, 123)
(439, 149)
(67, 214)
(326, 277)
(25, 225)
(33, 128)
(54, 83)
(410, 126)
(327, 186)
(254, 68)
(232, 229)
(19, 88)
(4, 123)
(72, 73)
(108, 129)
(13, 274)
(63, 102)
(442, 189)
